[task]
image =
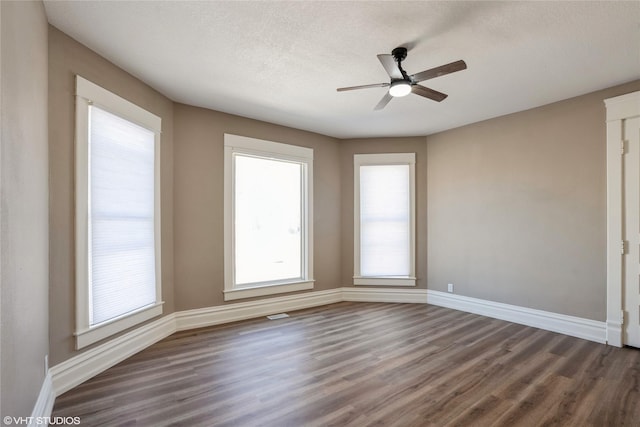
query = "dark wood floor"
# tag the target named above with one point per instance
(366, 364)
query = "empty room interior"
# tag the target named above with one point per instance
(320, 213)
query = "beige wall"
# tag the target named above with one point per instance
(198, 210)
(24, 225)
(66, 59)
(517, 207)
(348, 148)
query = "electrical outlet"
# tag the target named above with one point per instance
(450, 287)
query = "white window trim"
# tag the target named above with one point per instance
(88, 93)
(384, 159)
(251, 146)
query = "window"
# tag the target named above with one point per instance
(384, 220)
(268, 233)
(117, 214)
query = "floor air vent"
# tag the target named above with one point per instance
(277, 316)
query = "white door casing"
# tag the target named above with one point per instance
(623, 194)
(631, 233)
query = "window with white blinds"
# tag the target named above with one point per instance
(121, 224)
(384, 219)
(268, 217)
(117, 230)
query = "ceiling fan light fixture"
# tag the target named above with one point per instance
(400, 88)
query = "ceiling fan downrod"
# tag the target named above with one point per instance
(400, 54)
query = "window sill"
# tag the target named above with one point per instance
(384, 281)
(257, 291)
(104, 330)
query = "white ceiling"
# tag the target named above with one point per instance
(281, 62)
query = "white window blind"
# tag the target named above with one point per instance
(385, 220)
(268, 220)
(121, 216)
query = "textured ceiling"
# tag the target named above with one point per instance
(282, 61)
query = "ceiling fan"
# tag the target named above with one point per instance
(403, 84)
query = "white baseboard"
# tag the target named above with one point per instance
(90, 363)
(87, 364)
(44, 404)
(199, 318)
(591, 330)
(384, 295)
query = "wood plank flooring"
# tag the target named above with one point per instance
(365, 364)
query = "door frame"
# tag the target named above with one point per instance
(618, 108)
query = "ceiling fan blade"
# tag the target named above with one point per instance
(342, 89)
(383, 102)
(439, 71)
(391, 66)
(428, 93)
